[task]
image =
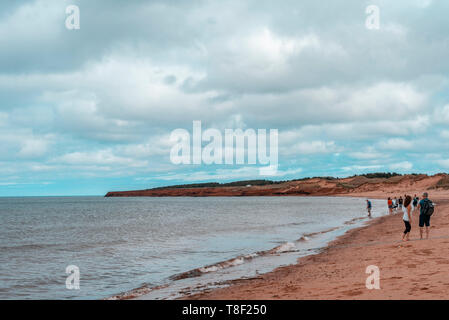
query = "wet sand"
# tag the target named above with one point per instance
(417, 269)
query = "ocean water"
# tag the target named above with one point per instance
(165, 247)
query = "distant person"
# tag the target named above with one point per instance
(400, 201)
(415, 202)
(390, 205)
(407, 217)
(368, 207)
(395, 203)
(426, 209)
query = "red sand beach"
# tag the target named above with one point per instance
(418, 269)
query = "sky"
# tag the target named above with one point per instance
(91, 110)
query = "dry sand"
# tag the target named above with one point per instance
(417, 269)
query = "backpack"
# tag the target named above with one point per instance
(427, 207)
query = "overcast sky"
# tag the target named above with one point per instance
(91, 110)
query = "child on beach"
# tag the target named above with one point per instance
(407, 217)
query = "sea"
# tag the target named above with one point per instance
(160, 248)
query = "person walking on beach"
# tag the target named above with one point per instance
(390, 205)
(395, 204)
(415, 202)
(368, 207)
(400, 201)
(426, 208)
(407, 217)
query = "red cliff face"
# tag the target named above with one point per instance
(312, 187)
(205, 192)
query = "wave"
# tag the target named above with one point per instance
(134, 293)
(313, 234)
(352, 221)
(24, 247)
(283, 248)
(236, 261)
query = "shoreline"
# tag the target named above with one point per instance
(415, 269)
(295, 246)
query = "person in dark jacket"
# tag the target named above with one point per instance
(424, 218)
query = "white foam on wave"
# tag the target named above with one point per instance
(237, 261)
(286, 247)
(209, 269)
(226, 264)
(251, 256)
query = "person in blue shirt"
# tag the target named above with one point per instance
(368, 207)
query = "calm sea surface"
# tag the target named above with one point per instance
(120, 244)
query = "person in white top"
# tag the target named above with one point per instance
(407, 217)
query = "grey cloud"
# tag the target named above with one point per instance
(137, 70)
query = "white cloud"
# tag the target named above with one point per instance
(397, 144)
(264, 50)
(312, 147)
(441, 115)
(102, 157)
(395, 28)
(35, 21)
(227, 174)
(444, 163)
(423, 3)
(33, 148)
(368, 155)
(3, 118)
(156, 146)
(444, 134)
(404, 165)
(380, 99)
(357, 168)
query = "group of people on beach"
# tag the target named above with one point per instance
(408, 205)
